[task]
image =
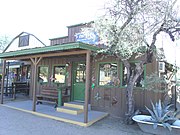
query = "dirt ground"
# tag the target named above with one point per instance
(20, 123)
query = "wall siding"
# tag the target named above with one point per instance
(142, 97)
(71, 36)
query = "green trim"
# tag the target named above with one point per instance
(61, 47)
(53, 73)
(145, 73)
(121, 75)
(73, 78)
(59, 96)
(47, 76)
(72, 81)
(98, 75)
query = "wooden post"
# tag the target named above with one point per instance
(87, 86)
(2, 81)
(35, 62)
(7, 79)
(34, 87)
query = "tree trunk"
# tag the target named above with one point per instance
(130, 101)
(133, 76)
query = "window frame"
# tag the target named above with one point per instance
(47, 74)
(84, 73)
(121, 75)
(53, 72)
(21, 39)
(98, 75)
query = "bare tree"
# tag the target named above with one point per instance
(130, 28)
(3, 42)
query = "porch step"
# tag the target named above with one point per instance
(74, 105)
(70, 110)
(79, 105)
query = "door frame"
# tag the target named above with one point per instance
(74, 67)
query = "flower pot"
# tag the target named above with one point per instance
(146, 126)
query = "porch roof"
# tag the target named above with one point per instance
(47, 49)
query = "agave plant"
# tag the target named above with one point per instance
(161, 114)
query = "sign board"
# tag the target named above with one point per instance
(88, 38)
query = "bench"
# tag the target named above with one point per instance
(20, 87)
(66, 94)
(49, 94)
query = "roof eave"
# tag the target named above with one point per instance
(33, 51)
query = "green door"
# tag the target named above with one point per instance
(79, 76)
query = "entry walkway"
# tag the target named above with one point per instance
(48, 111)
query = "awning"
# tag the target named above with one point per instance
(48, 49)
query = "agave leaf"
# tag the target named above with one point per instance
(155, 125)
(160, 109)
(151, 112)
(156, 108)
(168, 126)
(176, 113)
(155, 111)
(167, 107)
(171, 118)
(166, 114)
(164, 125)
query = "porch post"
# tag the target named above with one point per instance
(2, 81)
(35, 62)
(87, 86)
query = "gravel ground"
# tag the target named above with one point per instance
(14, 122)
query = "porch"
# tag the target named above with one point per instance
(48, 111)
(66, 55)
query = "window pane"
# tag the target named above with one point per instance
(139, 82)
(81, 72)
(43, 74)
(108, 74)
(59, 74)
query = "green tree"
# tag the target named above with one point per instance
(129, 28)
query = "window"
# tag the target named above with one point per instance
(43, 74)
(23, 40)
(139, 82)
(59, 74)
(108, 74)
(81, 72)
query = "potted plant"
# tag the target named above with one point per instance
(162, 120)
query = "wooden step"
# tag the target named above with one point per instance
(75, 105)
(70, 110)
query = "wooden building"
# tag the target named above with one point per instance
(94, 80)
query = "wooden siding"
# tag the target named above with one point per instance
(108, 95)
(71, 35)
(50, 62)
(142, 97)
(58, 41)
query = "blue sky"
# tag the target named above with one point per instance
(48, 19)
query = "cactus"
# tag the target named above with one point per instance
(161, 114)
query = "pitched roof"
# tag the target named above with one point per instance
(22, 33)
